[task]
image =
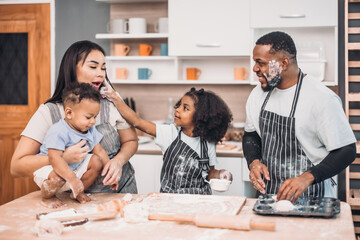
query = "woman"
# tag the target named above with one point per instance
(84, 62)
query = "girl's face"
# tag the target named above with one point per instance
(93, 69)
(185, 112)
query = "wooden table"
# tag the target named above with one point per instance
(17, 218)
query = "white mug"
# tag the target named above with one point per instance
(116, 26)
(161, 25)
(135, 26)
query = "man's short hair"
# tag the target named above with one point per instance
(279, 41)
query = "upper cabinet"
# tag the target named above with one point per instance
(209, 28)
(293, 13)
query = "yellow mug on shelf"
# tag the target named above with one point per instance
(121, 73)
(121, 49)
(145, 49)
(241, 73)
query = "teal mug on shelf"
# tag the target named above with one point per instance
(144, 73)
(163, 49)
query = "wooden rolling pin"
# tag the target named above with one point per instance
(218, 221)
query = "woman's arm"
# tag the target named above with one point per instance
(25, 159)
(129, 145)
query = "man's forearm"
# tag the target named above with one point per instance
(251, 146)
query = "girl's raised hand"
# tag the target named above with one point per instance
(108, 92)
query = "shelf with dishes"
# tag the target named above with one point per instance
(131, 36)
(181, 82)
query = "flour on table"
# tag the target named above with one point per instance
(56, 214)
(128, 197)
(48, 228)
(3, 228)
(136, 213)
(284, 206)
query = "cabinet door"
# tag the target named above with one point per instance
(147, 172)
(293, 13)
(209, 28)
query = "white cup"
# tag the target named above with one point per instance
(135, 26)
(161, 25)
(116, 26)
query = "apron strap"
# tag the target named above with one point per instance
(297, 91)
(104, 110)
(54, 112)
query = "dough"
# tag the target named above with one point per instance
(48, 228)
(284, 206)
(127, 197)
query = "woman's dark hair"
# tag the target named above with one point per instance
(279, 41)
(212, 116)
(75, 92)
(77, 52)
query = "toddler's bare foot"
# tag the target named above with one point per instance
(51, 186)
(81, 197)
(53, 202)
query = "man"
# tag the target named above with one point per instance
(296, 135)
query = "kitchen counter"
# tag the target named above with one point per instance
(17, 218)
(148, 146)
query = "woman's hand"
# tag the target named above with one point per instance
(76, 153)
(109, 93)
(113, 172)
(257, 169)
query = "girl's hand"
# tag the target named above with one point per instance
(76, 153)
(113, 172)
(225, 174)
(109, 93)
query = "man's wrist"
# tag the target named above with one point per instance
(308, 177)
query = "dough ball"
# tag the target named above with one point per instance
(128, 197)
(136, 213)
(284, 206)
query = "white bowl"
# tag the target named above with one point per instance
(219, 185)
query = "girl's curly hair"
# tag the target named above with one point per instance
(212, 116)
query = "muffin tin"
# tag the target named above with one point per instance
(304, 207)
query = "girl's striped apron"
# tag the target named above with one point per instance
(182, 169)
(281, 151)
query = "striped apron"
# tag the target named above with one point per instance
(110, 142)
(281, 151)
(182, 169)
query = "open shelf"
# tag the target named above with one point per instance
(131, 36)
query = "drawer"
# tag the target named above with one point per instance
(293, 13)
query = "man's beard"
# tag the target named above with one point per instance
(272, 83)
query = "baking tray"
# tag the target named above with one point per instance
(304, 207)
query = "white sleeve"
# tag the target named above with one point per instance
(39, 124)
(165, 135)
(212, 154)
(116, 117)
(332, 126)
(250, 108)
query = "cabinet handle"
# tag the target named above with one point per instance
(293, 16)
(208, 45)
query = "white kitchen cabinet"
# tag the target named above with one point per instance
(209, 28)
(293, 13)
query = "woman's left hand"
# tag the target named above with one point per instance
(113, 172)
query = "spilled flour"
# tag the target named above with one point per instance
(3, 228)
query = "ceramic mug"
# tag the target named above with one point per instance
(241, 73)
(121, 73)
(116, 26)
(163, 49)
(161, 25)
(193, 73)
(135, 26)
(121, 49)
(144, 73)
(145, 49)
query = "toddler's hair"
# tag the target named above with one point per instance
(74, 93)
(212, 116)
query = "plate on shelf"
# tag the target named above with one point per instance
(144, 139)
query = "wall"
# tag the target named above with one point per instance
(79, 20)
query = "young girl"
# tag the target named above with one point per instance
(201, 120)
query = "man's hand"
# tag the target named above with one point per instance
(76, 153)
(257, 169)
(292, 188)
